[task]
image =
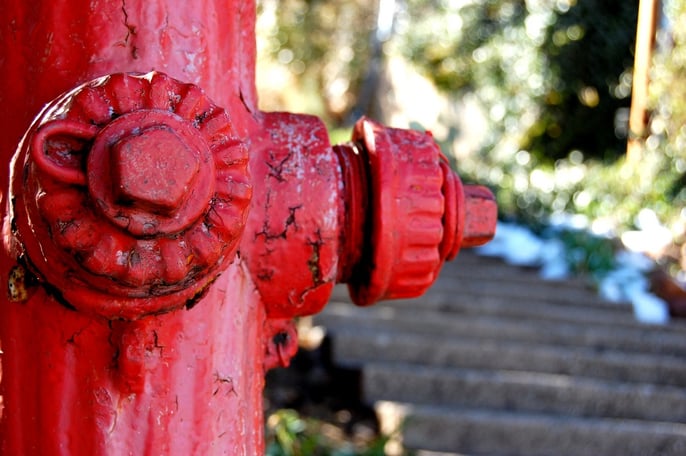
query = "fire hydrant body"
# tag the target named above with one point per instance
(160, 233)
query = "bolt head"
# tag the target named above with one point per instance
(481, 216)
(153, 170)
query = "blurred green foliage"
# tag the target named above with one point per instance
(323, 44)
(587, 255)
(553, 79)
(289, 434)
(551, 75)
(668, 93)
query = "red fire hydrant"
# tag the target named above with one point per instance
(160, 233)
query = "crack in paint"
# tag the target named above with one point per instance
(244, 102)
(224, 381)
(155, 343)
(276, 169)
(72, 338)
(112, 341)
(130, 31)
(290, 221)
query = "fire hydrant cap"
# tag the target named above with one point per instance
(138, 194)
(405, 214)
(419, 214)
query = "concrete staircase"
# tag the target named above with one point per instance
(495, 361)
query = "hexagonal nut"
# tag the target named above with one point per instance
(153, 170)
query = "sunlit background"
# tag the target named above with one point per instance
(530, 97)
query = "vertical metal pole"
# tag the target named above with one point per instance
(188, 382)
(645, 41)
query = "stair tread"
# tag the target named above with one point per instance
(482, 431)
(523, 390)
(462, 304)
(639, 338)
(355, 347)
(494, 360)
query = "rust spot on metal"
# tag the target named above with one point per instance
(313, 262)
(20, 283)
(200, 118)
(199, 295)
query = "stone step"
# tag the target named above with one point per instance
(501, 272)
(437, 453)
(469, 260)
(550, 291)
(488, 432)
(470, 264)
(462, 303)
(497, 279)
(354, 347)
(634, 338)
(492, 360)
(522, 391)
